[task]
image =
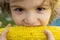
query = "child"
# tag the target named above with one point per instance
(31, 13)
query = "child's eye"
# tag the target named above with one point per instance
(19, 9)
(40, 9)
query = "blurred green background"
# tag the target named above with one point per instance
(5, 19)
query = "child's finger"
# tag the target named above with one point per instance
(49, 35)
(4, 33)
(9, 25)
(0, 24)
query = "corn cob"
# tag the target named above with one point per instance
(31, 33)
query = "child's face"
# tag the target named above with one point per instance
(31, 12)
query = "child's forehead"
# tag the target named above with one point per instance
(34, 2)
(26, 0)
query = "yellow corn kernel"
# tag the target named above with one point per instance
(31, 33)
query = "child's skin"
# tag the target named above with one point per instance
(30, 13)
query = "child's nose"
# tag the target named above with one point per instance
(31, 18)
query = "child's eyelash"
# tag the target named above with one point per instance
(22, 9)
(40, 8)
(19, 9)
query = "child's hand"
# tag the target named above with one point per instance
(4, 33)
(49, 34)
(9, 25)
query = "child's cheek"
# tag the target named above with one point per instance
(44, 17)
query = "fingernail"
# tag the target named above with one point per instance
(46, 31)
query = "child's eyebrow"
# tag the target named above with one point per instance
(23, 6)
(15, 1)
(16, 6)
(44, 5)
